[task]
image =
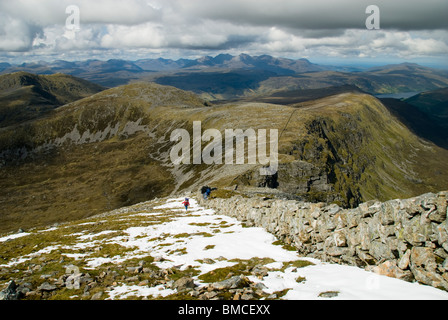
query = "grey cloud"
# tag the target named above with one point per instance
(49, 12)
(321, 14)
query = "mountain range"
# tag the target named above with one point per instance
(222, 61)
(227, 77)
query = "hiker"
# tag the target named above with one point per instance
(206, 191)
(186, 203)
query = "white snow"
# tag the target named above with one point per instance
(124, 292)
(351, 283)
(14, 236)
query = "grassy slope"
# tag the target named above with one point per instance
(401, 78)
(378, 155)
(71, 181)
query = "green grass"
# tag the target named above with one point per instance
(285, 246)
(242, 267)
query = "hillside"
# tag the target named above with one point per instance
(388, 79)
(113, 149)
(156, 250)
(25, 96)
(434, 104)
(96, 154)
(424, 123)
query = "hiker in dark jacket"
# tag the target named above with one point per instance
(206, 191)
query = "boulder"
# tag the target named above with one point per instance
(380, 251)
(429, 278)
(339, 239)
(231, 283)
(417, 230)
(390, 269)
(47, 287)
(10, 292)
(184, 284)
(423, 257)
(404, 261)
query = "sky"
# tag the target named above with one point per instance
(332, 31)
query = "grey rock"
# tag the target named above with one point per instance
(423, 257)
(328, 294)
(75, 281)
(47, 287)
(97, 296)
(340, 239)
(380, 251)
(10, 292)
(184, 284)
(210, 295)
(247, 296)
(404, 261)
(232, 283)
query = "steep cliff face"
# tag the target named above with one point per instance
(349, 149)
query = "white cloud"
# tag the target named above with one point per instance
(15, 34)
(288, 27)
(146, 35)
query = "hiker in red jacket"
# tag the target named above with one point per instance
(186, 203)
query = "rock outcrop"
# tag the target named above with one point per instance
(406, 239)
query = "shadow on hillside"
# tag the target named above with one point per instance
(417, 121)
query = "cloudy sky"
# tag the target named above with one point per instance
(320, 30)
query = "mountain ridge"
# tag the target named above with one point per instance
(112, 149)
